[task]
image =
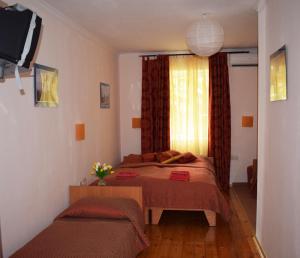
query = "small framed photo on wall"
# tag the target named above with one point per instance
(104, 95)
(45, 86)
(278, 75)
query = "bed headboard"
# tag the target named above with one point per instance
(132, 192)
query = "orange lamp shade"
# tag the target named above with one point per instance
(136, 122)
(80, 132)
(247, 121)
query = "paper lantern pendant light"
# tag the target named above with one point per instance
(205, 37)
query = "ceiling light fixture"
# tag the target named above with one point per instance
(205, 37)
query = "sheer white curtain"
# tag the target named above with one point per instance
(189, 85)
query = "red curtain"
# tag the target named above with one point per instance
(219, 144)
(155, 122)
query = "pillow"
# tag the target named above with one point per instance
(149, 157)
(132, 158)
(174, 153)
(92, 207)
(187, 158)
(163, 156)
(173, 159)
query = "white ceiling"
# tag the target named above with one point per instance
(160, 25)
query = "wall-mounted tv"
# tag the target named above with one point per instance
(19, 33)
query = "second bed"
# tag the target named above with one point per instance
(160, 193)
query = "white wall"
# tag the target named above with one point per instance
(243, 100)
(39, 155)
(243, 90)
(130, 81)
(279, 134)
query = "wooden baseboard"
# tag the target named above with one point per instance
(259, 248)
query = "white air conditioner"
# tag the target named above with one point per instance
(244, 59)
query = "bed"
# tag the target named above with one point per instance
(106, 227)
(160, 193)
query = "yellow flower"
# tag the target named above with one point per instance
(98, 168)
(95, 166)
(98, 165)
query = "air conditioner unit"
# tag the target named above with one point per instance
(244, 59)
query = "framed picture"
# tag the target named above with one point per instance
(45, 86)
(278, 78)
(104, 95)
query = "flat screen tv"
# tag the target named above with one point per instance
(19, 33)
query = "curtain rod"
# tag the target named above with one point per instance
(192, 54)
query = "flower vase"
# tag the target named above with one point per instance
(101, 181)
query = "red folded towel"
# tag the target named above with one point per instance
(125, 175)
(180, 176)
(180, 173)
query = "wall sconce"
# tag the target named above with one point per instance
(247, 121)
(136, 122)
(79, 132)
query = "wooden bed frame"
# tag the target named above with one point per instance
(156, 214)
(132, 192)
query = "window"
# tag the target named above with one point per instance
(189, 85)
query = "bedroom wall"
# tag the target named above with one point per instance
(243, 98)
(130, 82)
(279, 134)
(39, 157)
(243, 89)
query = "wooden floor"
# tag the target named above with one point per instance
(248, 201)
(183, 234)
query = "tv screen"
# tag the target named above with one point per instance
(19, 34)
